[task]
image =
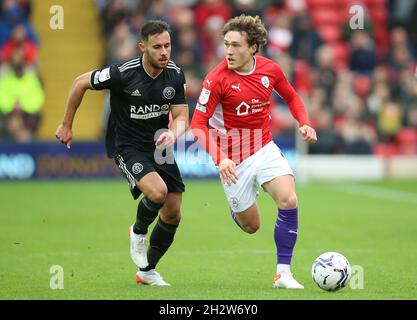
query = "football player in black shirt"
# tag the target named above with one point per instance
(144, 92)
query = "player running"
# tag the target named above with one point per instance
(144, 91)
(235, 103)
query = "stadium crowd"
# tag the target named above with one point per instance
(358, 84)
(21, 92)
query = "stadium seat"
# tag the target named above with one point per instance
(341, 52)
(330, 34)
(407, 136)
(322, 4)
(362, 86)
(375, 3)
(326, 17)
(407, 141)
(301, 76)
(386, 150)
(379, 16)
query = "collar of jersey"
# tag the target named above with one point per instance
(250, 72)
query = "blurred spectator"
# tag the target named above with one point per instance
(12, 15)
(390, 121)
(325, 75)
(19, 40)
(343, 92)
(248, 7)
(361, 86)
(136, 22)
(378, 97)
(210, 16)
(122, 45)
(357, 137)
(306, 39)
(279, 36)
(21, 99)
(193, 89)
(411, 117)
(189, 55)
(412, 27)
(363, 55)
(156, 10)
(400, 54)
(327, 142)
(114, 12)
(26, 8)
(207, 9)
(354, 126)
(401, 11)
(356, 93)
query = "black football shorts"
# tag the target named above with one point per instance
(135, 164)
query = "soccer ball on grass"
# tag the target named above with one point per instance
(331, 271)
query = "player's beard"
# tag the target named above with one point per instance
(155, 63)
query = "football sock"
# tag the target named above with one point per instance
(234, 217)
(146, 214)
(283, 268)
(285, 234)
(161, 239)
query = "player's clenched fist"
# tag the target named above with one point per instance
(309, 134)
(227, 170)
(64, 135)
(165, 140)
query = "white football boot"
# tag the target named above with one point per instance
(138, 248)
(150, 277)
(286, 281)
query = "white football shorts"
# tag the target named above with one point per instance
(263, 166)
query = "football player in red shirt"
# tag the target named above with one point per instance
(235, 103)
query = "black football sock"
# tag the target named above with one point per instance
(146, 214)
(161, 239)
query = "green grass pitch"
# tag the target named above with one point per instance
(83, 227)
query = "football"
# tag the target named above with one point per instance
(331, 271)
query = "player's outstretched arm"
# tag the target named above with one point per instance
(80, 85)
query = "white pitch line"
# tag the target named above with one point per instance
(378, 192)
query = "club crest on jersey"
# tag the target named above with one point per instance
(234, 202)
(169, 92)
(204, 96)
(137, 168)
(265, 81)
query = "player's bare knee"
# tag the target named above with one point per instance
(251, 228)
(158, 194)
(289, 201)
(173, 218)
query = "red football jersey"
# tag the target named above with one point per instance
(238, 110)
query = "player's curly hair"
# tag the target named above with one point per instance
(253, 26)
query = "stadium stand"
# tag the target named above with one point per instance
(358, 85)
(63, 55)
